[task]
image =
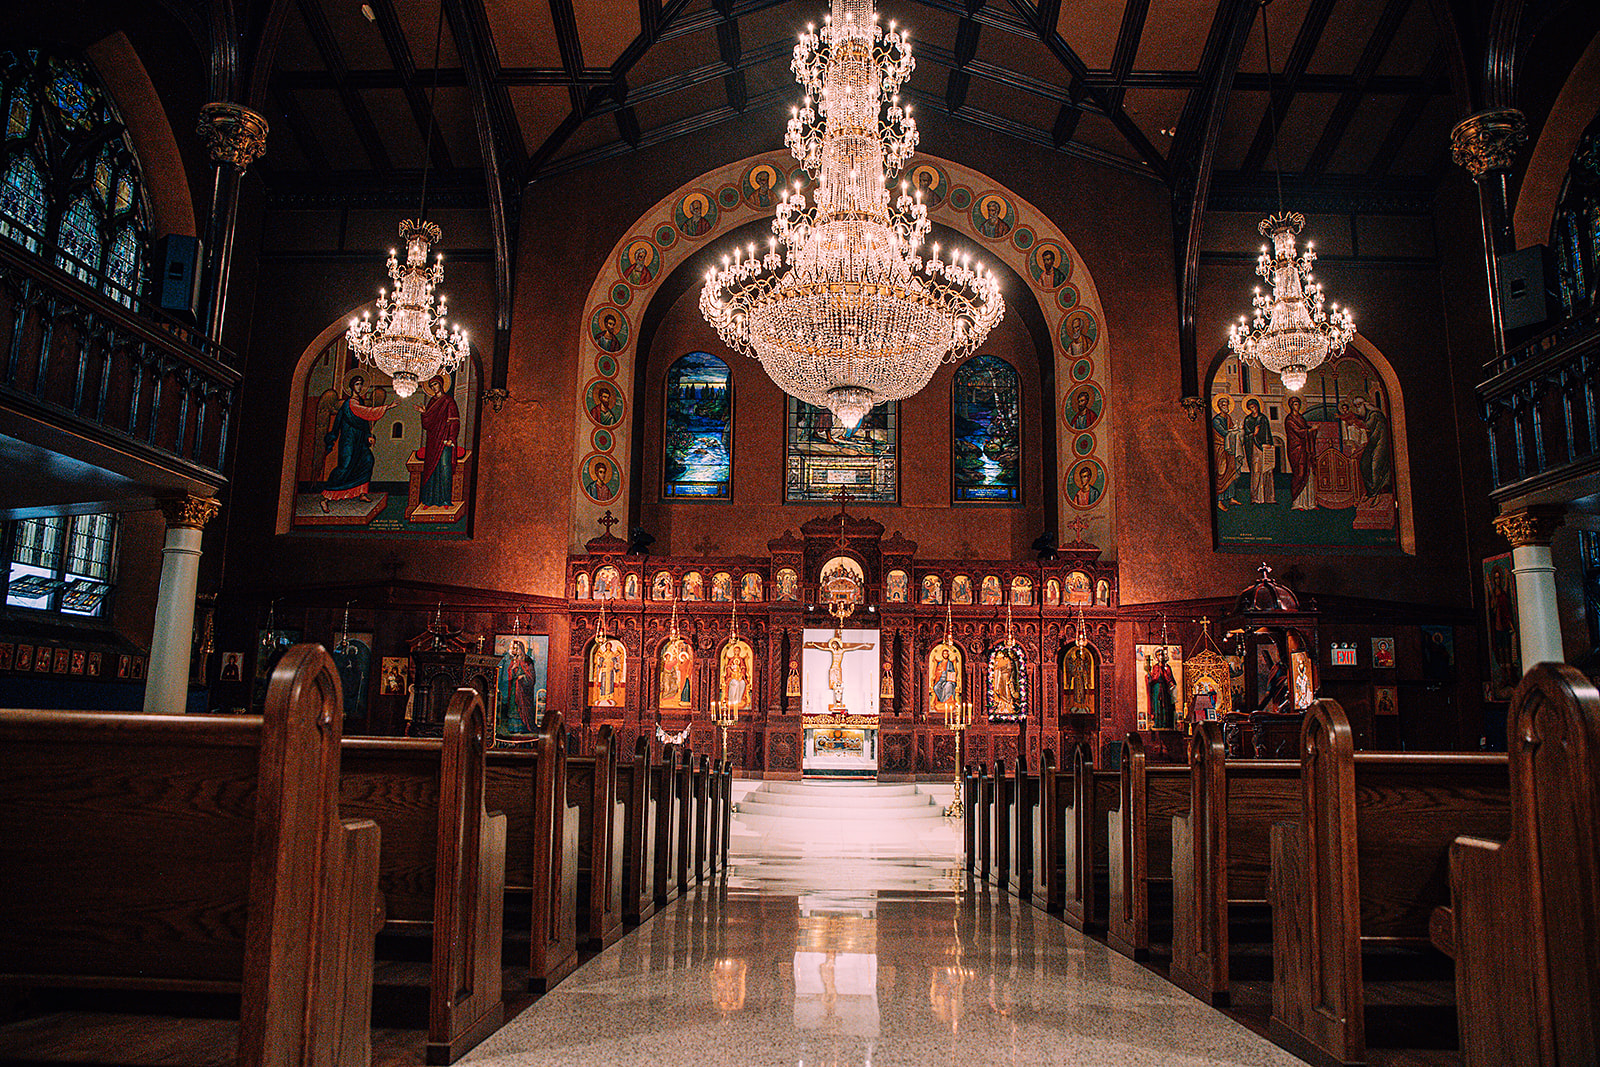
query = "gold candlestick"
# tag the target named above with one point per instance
(957, 719)
(724, 715)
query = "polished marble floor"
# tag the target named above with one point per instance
(868, 951)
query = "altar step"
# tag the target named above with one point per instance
(839, 801)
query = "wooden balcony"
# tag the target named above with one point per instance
(1540, 406)
(94, 392)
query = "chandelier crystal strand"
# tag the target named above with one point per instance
(1293, 330)
(842, 310)
(410, 340)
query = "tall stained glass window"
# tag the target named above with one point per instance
(1575, 232)
(986, 432)
(69, 181)
(698, 456)
(62, 563)
(821, 456)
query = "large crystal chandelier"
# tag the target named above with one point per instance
(410, 340)
(843, 311)
(1293, 330)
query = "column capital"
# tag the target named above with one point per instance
(1488, 141)
(189, 511)
(1534, 525)
(236, 135)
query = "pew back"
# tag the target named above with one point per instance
(1139, 842)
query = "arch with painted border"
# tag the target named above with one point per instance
(665, 236)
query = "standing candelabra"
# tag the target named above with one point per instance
(957, 719)
(724, 715)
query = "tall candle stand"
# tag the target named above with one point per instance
(957, 719)
(724, 715)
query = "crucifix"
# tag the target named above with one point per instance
(837, 647)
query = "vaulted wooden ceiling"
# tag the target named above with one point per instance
(1361, 87)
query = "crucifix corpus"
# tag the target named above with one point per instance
(837, 647)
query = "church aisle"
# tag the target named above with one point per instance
(863, 956)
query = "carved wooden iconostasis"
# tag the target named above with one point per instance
(653, 604)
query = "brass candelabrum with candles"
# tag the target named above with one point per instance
(957, 719)
(724, 715)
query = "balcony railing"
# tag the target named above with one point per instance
(1540, 406)
(72, 357)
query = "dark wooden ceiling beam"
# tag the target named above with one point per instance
(1367, 66)
(1194, 151)
(966, 49)
(355, 107)
(1076, 69)
(568, 45)
(1285, 85)
(1128, 37)
(728, 47)
(300, 130)
(650, 15)
(266, 52)
(1065, 126)
(1055, 94)
(394, 42)
(1405, 123)
(708, 72)
(596, 96)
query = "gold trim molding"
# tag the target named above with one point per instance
(190, 512)
(235, 134)
(1488, 141)
(1534, 525)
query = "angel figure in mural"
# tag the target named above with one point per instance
(441, 427)
(1077, 676)
(351, 434)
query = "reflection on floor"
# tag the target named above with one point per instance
(861, 948)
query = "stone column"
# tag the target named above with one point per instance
(1486, 145)
(237, 137)
(1538, 619)
(166, 687)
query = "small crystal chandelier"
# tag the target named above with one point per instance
(1293, 330)
(410, 341)
(843, 311)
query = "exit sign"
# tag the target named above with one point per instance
(1342, 654)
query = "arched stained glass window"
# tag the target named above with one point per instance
(697, 459)
(70, 180)
(986, 432)
(1575, 236)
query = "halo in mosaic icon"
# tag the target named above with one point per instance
(696, 214)
(1023, 237)
(1084, 483)
(608, 328)
(621, 295)
(728, 197)
(1079, 332)
(666, 235)
(993, 217)
(1082, 406)
(603, 401)
(1083, 445)
(600, 477)
(931, 182)
(602, 440)
(1081, 369)
(1050, 265)
(761, 186)
(639, 262)
(1067, 297)
(606, 364)
(961, 198)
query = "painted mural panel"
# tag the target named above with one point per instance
(986, 432)
(822, 457)
(522, 683)
(699, 429)
(370, 464)
(1313, 469)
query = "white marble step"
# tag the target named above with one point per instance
(767, 814)
(834, 801)
(839, 803)
(858, 789)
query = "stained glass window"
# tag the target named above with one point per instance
(986, 432)
(70, 178)
(62, 563)
(1575, 232)
(822, 457)
(698, 456)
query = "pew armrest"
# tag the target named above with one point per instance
(1441, 930)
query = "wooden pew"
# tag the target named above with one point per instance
(602, 823)
(1049, 817)
(999, 811)
(1020, 828)
(1139, 843)
(443, 863)
(1085, 849)
(1524, 921)
(701, 790)
(727, 814)
(969, 818)
(669, 819)
(639, 856)
(688, 819)
(1360, 871)
(529, 784)
(189, 853)
(984, 788)
(1220, 852)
